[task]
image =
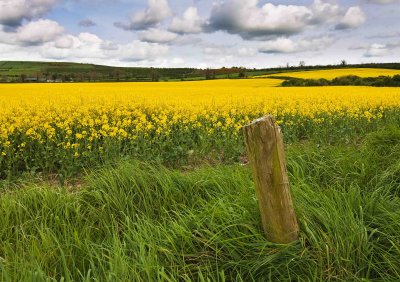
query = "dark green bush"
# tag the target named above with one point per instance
(348, 80)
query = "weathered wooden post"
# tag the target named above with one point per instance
(266, 155)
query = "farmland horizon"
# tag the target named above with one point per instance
(337, 63)
(33, 71)
(200, 34)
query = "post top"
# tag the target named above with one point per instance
(268, 118)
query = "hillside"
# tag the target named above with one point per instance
(14, 71)
(24, 71)
(64, 71)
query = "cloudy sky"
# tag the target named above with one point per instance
(200, 33)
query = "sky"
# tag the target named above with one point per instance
(201, 33)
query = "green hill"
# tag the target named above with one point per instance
(24, 71)
(41, 71)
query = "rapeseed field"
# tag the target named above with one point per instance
(333, 73)
(55, 127)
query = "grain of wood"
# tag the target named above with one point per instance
(264, 143)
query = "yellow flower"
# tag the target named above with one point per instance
(87, 115)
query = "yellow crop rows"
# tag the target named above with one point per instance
(331, 74)
(75, 121)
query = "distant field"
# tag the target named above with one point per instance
(333, 73)
(12, 71)
(31, 68)
(25, 71)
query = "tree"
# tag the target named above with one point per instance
(39, 76)
(302, 64)
(343, 63)
(154, 75)
(93, 76)
(208, 73)
(116, 74)
(242, 72)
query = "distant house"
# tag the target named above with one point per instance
(143, 78)
(54, 80)
(31, 79)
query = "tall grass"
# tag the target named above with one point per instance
(138, 222)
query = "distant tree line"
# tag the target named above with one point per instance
(75, 72)
(349, 80)
(343, 64)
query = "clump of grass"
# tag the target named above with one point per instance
(382, 155)
(138, 222)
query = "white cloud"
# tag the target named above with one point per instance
(178, 62)
(286, 45)
(164, 35)
(174, 62)
(385, 34)
(87, 46)
(187, 40)
(12, 12)
(376, 50)
(155, 35)
(250, 21)
(393, 45)
(86, 23)
(382, 1)
(262, 22)
(217, 51)
(108, 45)
(47, 40)
(213, 51)
(65, 42)
(353, 18)
(157, 12)
(37, 32)
(89, 38)
(247, 52)
(324, 11)
(191, 22)
(7, 37)
(138, 50)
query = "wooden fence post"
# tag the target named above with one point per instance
(266, 155)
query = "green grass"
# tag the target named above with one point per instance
(138, 222)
